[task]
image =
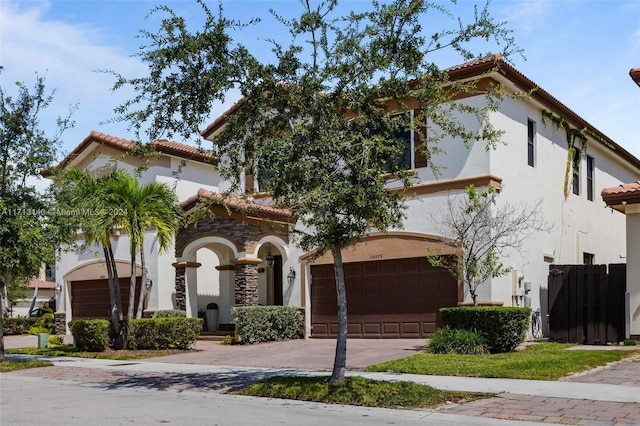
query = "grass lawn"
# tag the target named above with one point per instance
(20, 365)
(544, 361)
(357, 391)
(121, 355)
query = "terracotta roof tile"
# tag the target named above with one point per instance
(635, 75)
(239, 204)
(628, 193)
(165, 146)
(42, 284)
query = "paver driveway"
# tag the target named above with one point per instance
(311, 354)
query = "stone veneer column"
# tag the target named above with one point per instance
(246, 282)
(181, 283)
(181, 293)
(60, 323)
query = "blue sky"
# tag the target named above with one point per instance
(579, 51)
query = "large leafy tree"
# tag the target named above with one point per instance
(26, 239)
(323, 116)
(137, 208)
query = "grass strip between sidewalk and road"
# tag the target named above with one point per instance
(6, 365)
(358, 391)
(119, 355)
(543, 361)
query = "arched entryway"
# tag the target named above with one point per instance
(212, 270)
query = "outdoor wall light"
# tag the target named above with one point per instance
(58, 289)
(270, 260)
(149, 284)
(291, 276)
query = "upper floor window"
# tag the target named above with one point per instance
(531, 140)
(405, 159)
(576, 171)
(590, 172)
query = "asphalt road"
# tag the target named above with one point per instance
(30, 401)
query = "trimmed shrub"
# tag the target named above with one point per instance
(12, 326)
(163, 333)
(46, 324)
(90, 335)
(255, 324)
(454, 341)
(170, 313)
(503, 327)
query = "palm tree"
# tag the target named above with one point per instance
(136, 208)
(80, 192)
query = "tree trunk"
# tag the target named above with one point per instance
(2, 286)
(143, 287)
(114, 296)
(132, 289)
(340, 360)
(1, 338)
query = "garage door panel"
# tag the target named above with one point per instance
(374, 329)
(411, 328)
(90, 298)
(429, 327)
(401, 301)
(389, 268)
(391, 328)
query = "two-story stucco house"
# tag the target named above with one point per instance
(243, 255)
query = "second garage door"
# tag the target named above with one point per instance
(90, 299)
(396, 298)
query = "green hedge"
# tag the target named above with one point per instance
(456, 341)
(21, 325)
(163, 333)
(503, 327)
(255, 324)
(90, 335)
(170, 313)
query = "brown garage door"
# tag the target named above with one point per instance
(90, 299)
(385, 299)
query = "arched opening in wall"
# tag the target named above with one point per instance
(270, 280)
(212, 286)
(209, 278)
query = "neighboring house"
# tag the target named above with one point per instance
(626, 199)
(42, 288)
(392, 290)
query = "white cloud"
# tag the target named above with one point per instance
(68, 56)
(526, 15)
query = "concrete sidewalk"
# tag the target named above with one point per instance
(605, 396)
(245, 375)
(562, 402)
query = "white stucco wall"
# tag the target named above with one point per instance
(579, 225)
(633, 266)
(186, 183)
